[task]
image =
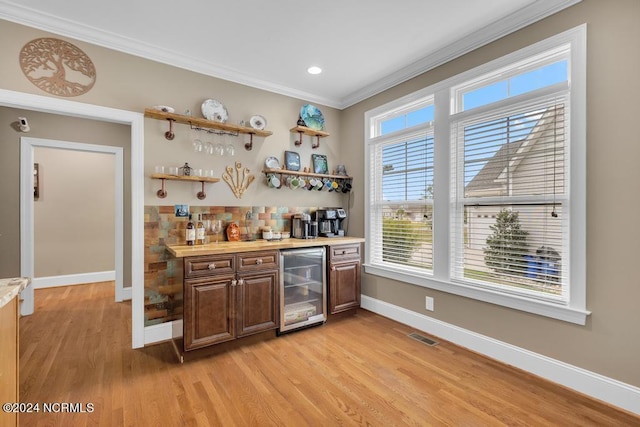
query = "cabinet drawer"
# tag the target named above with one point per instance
(266, 260)
(344, 252)
(209, 265)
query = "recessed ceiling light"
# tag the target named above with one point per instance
(314, 70)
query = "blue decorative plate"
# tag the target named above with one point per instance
(312, 117)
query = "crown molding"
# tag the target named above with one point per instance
(79, 31)
(505, 26)
(50, 23)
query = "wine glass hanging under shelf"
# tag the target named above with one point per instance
(247, 146)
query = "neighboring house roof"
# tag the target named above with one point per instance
(511, 154)
(487, 177)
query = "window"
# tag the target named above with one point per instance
(475, 185)
(509, 191)
(401, 194)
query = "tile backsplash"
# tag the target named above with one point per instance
(163, 274)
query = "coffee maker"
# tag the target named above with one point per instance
(330, 221)
(303, 228)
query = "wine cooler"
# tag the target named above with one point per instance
(303, 290)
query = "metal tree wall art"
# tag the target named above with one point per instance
(57, 67)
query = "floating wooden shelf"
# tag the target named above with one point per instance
(199, 123)
(162, 193)
(184, 178)
(303, 130)
(309, 174)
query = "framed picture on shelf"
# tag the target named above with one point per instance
(292, 160)
(320, 163)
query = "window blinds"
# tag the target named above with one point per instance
(402, 201)
(510, 187)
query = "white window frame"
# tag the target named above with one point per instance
(374, 228)
(574, 309)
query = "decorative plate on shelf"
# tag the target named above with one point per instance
(258, 122)
(212, 109)
(272, 163)
(164, 108)
(312, 117)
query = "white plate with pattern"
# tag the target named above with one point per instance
(272, 163)
(258, 122)
(212, 109)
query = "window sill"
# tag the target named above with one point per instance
(542, 308)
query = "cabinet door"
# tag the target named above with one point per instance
(9, 359)
(344, 286)
(257, 302)
(209, 311)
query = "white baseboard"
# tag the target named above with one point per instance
(162, 332)
(614, 392)
(80, 279)
(73, 279)
(126, 294)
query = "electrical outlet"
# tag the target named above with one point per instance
(429, 303)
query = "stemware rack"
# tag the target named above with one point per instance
(205, 125)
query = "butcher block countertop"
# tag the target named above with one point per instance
(181, 251)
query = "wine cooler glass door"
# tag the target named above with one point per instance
(302, 288)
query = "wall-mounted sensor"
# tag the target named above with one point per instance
(24, 124)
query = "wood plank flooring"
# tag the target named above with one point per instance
(357, 370)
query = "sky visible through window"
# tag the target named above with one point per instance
(517, 85)
(545, 76)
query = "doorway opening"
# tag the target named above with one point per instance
(136, 121)
(28, 148)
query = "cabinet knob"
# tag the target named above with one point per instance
(344, 252)
(333, 268)
(211, 266)
(241, 282)
(259, 261)
(234, 282)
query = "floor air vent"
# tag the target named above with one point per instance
(422, 338)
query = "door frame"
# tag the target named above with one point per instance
(27, 228)
(65, 107)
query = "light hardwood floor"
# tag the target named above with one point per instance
(357, 370)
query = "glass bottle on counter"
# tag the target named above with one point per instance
(190, 232)
(200, 231)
